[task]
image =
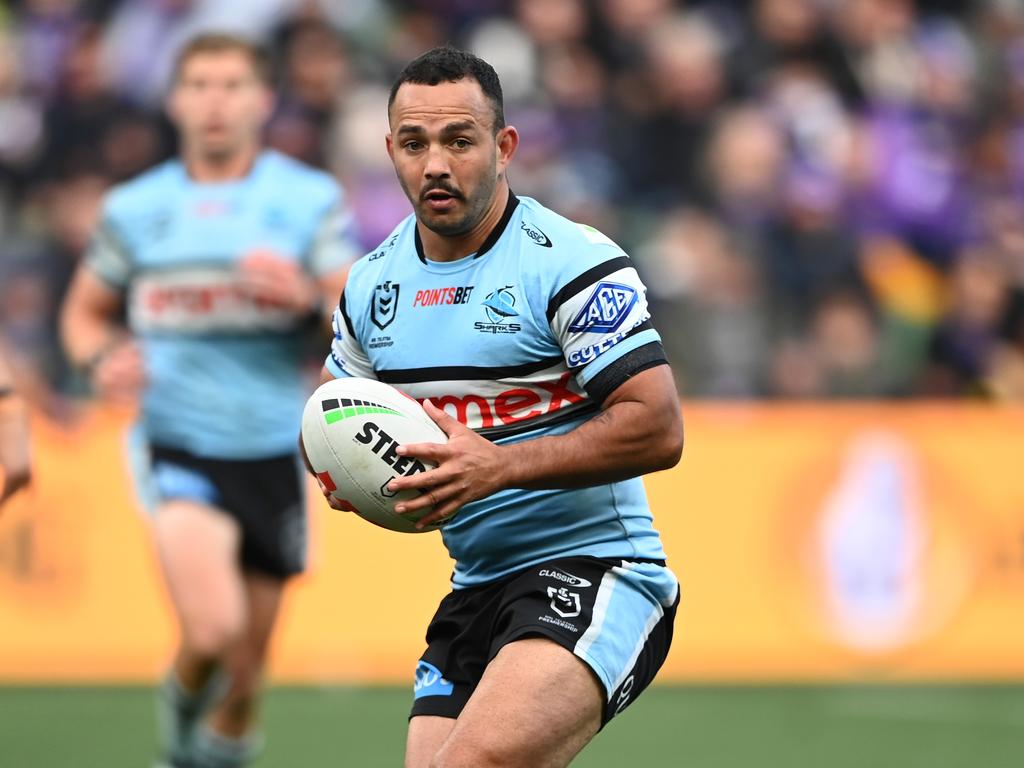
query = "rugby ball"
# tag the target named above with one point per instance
(350, 430)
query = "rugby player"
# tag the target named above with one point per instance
(528, 340)
(224, 260)
(15, 470)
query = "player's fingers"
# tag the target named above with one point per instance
(436, 453)
(443, 512)
(447, 424)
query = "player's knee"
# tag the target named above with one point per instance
(211, 639)
(473, 755)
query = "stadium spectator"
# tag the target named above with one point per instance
(896, 123)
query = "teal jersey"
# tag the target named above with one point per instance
(522, 339)
(224, 369)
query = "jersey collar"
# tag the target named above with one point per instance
(492, 238)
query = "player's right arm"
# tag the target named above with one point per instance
(93, 335)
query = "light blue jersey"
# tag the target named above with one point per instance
(522, 339)
(223, 369)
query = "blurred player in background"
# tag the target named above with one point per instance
(223, 260)
(533, 331)
(15, 471)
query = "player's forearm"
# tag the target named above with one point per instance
(87, 331)
(626, 440)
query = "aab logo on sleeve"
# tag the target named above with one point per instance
(608, 306)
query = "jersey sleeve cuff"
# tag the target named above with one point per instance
(623, 368)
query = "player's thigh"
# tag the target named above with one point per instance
(548, 704)
(198, 549)
(426, 735)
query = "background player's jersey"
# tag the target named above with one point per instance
(223, 369)
(522, 339)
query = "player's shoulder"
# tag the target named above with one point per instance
(566, 246)
(303, 178)
(139, 193)
(366, 269)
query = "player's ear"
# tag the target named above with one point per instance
(389, 142)
(506, 142)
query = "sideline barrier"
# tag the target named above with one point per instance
(819, 542)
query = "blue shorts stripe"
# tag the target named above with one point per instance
(631, 600)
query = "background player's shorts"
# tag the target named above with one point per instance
(615, 615)
(265, 496)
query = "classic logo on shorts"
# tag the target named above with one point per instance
(568, 578)
(337, 409)
(385, 304)
(565, 603)
(430, 682)
(499, 305)
(606, 308)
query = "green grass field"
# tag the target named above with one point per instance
(925, 726)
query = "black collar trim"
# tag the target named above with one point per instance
(492, 238)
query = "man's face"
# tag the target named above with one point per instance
(219, 104)
(446, 154)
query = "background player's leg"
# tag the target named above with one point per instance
(227, 739)
(426, 735)
(548, 704)
(197, 546)
(234, 714)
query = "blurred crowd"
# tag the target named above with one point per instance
(825, 197)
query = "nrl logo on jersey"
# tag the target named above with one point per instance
(606, 308)
(385, 304)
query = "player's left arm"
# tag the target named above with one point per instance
(638, 430)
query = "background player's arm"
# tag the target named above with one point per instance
(314, 287)
(15, 472)
(96, 340)
(639, 430)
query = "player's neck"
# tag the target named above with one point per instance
(450, 248)
(211, 168)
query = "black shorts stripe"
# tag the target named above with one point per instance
(465, 372)
(589, 277)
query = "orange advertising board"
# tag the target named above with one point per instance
(811, 542)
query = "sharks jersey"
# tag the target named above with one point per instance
(223, 368)
(524, 338)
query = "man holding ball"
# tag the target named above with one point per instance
(528, 340)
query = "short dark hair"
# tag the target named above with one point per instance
(219, 42)
(447, 64)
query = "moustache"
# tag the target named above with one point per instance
(440, 187)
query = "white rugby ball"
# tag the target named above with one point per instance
(350, 430)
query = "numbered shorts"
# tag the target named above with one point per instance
(615, 615)
(266, 497)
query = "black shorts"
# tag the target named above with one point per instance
(624, 641)
(265, 496)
